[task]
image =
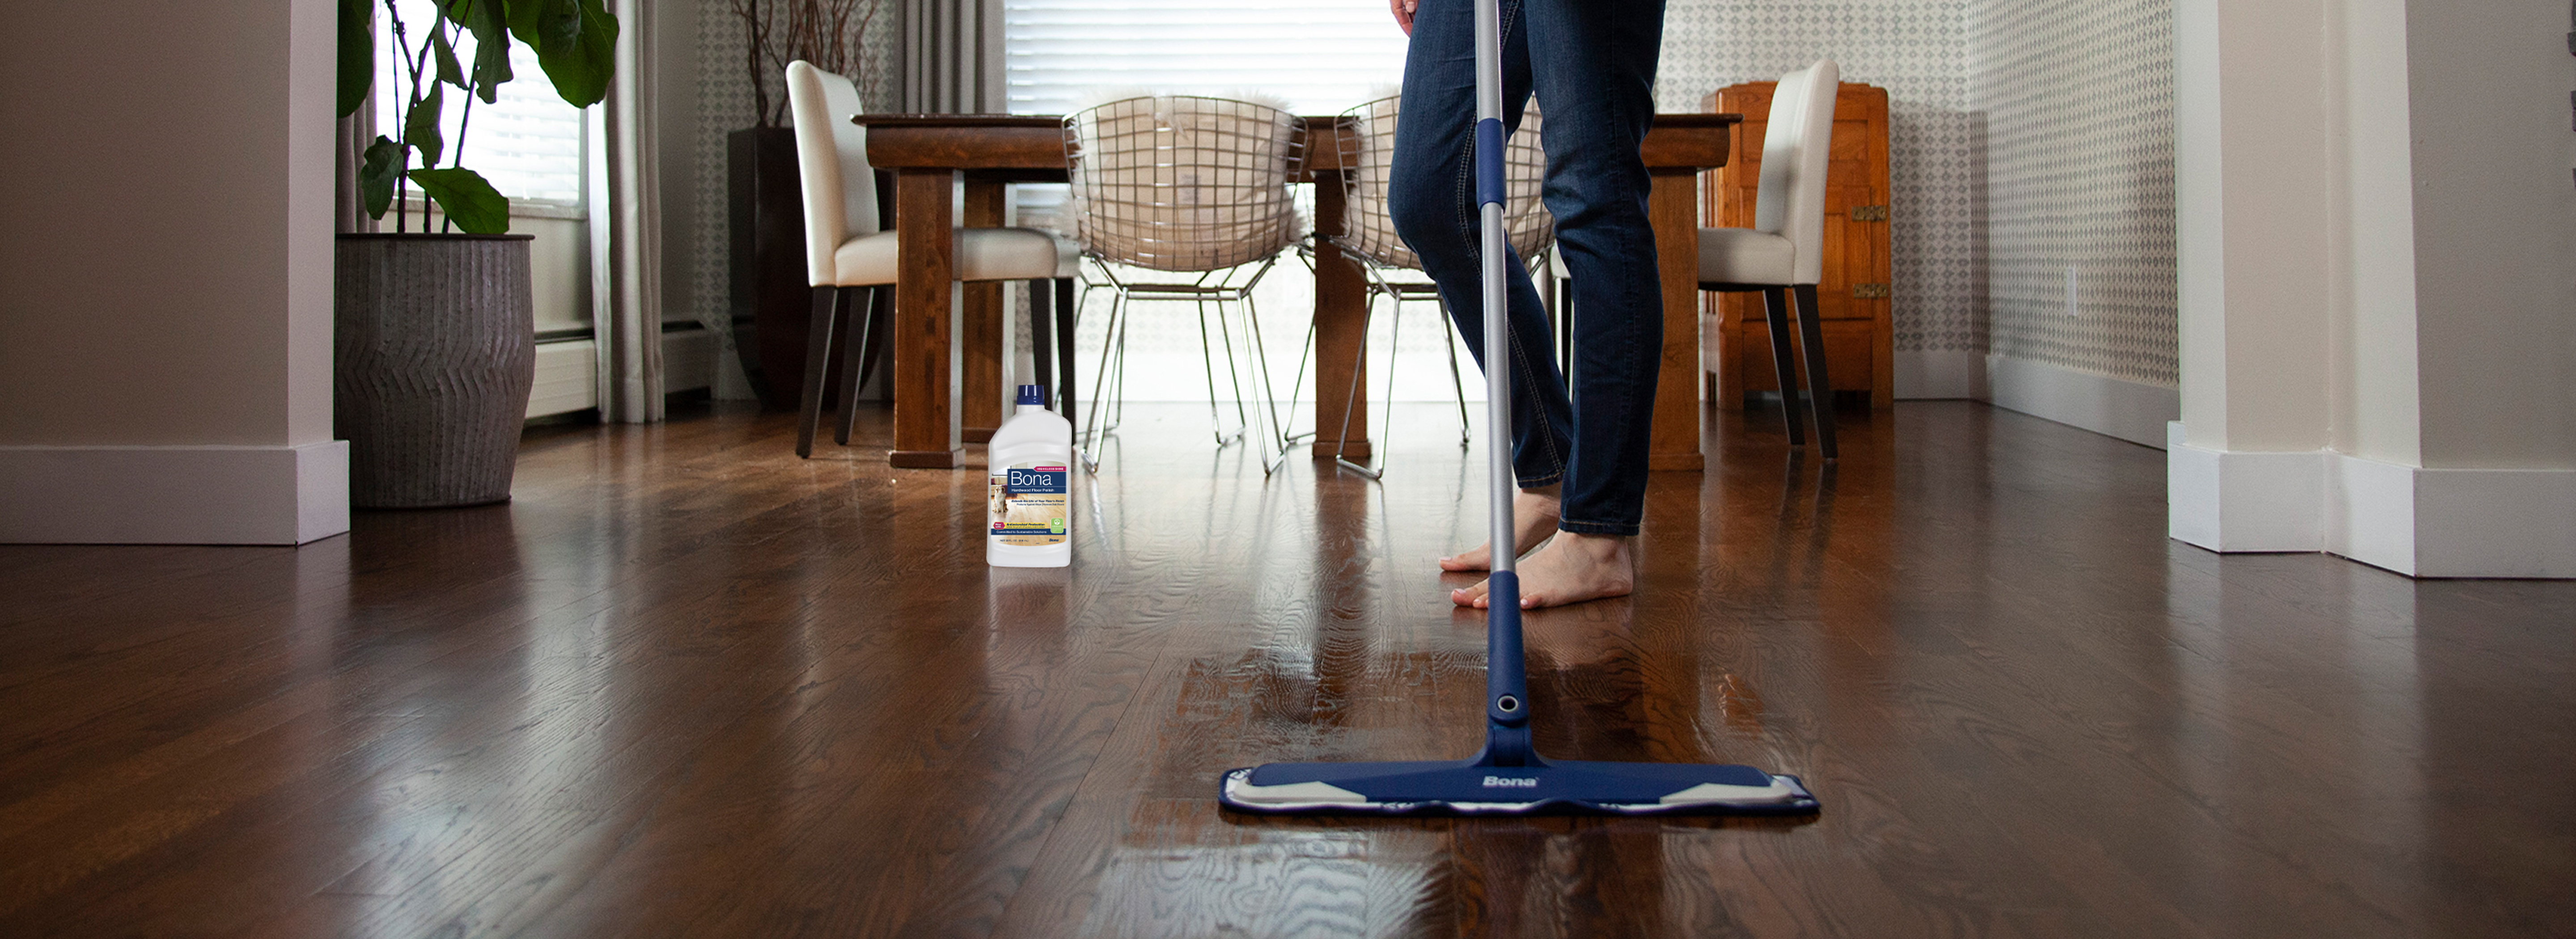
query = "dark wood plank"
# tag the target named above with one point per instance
(685, 683)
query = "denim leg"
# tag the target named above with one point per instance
(1593, 64)
(1431, 198)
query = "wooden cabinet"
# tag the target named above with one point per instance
(1854, 294)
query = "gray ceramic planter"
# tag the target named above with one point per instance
(434, 352)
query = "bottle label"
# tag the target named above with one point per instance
(1027, 504)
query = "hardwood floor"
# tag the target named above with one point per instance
(687, 684)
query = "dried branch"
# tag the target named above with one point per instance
(831, 34)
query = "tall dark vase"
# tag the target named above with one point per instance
(770, 301)
(434, 352)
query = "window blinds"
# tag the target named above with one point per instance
(1321, 56)
(528, 144)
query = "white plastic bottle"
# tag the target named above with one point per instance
(1028, 509)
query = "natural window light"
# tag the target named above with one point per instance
(1315, 56)
(528, 143)
(1322, 56)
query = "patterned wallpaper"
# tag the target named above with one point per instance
(2026, 137)
(2077, 100)
(724, 106)
(1917, 50)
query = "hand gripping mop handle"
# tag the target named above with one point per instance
(1506, 681)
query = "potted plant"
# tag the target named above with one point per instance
(770, 302)
(434, 343)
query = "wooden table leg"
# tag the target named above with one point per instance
(925, 322)
(986, 329)
(1673, 210)
(1341, 330)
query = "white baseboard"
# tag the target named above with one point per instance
(281, 495)
(2232, 501)
(567, 378)
(2495, 523)
(1941, 375)
(568, 370)
(2113, 407)
(2411, 520)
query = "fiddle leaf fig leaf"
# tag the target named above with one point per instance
(580, 54)
(357, 54)
(467, 199)
(522, 17)
(484, 18)
(444, 50)
(376, 176)
(420, 127)
(546, 25)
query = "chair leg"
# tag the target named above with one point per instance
(1775, 314)
(1565, 329)
(1457, 381)
(1820, 393)
(879, 317)
(818, 359)
(1103, 385)
(1351, 397)
(854, 354)
(1297, 383)
(1042, 339)
(1064, 308)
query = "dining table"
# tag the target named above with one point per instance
(952, 170)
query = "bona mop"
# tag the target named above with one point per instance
(1508, 777)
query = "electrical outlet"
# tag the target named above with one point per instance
(2074, 300)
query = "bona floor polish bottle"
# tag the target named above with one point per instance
(1028, 513)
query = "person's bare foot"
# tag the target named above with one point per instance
(1571, 569)
(1534, 514)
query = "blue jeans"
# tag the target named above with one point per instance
(1592, 65)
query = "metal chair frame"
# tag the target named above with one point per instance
(1369, 237)
(1193, 185)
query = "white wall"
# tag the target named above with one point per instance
(2495, 231)
(165, 331)
(2377, 221)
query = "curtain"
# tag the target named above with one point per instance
(948, 59)
(625, 232)
(350, 136)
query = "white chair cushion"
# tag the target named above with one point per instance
(981, 254)
(1745, 256)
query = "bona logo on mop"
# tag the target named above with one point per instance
(1511, 782)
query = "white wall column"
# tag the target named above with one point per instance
(2376, 220)
(165, 334)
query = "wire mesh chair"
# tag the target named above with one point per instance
(1183, 184)
(1368, 234)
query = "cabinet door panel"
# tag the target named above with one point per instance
(1848, 359)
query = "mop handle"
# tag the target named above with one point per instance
(1506, 678)
(1489, 206)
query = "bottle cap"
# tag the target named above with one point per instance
(1029, 394)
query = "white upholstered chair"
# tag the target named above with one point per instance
(1784, 250)
(848, 256)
